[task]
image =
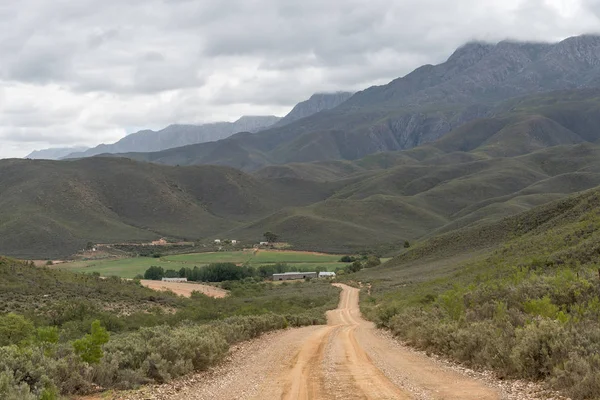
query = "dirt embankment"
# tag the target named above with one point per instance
(185, 288)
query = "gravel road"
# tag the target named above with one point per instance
(346, 359)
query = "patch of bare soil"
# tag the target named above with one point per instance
(185, 288)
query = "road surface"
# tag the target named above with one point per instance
(346, 359)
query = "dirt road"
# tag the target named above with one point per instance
(346, 359)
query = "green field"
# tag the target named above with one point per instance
(123, 267)
(262, 257)
(130, 267)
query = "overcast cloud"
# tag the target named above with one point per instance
(87, 71)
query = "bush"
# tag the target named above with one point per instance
(15, 329)
(89, 348)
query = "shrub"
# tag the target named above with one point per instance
(89, 348)
(15, 329)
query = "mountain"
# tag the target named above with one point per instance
(475, 82)
(316, 103)
(470, 177)
(521, 125)
(179, 135)
(54, 153)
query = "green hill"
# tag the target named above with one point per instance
(52, 209)
(518, 295)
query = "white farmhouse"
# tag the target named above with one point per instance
(217, 241)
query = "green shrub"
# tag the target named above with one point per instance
(89, 348)
(15, 329)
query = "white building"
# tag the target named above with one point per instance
(326, 274)
(218, 241)
(234, 241)
(174, 279)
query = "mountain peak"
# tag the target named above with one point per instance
(471, 52)
(316, 103)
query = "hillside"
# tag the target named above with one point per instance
(518, 296)
(413, 110)
(52, 209)
(70, 335)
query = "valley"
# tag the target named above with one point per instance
(435, 237)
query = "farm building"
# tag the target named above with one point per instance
(174, 279)
(287, 276)
(217, 241)
(325, 274)
(159, 242)
(233, 241)
(263, 243)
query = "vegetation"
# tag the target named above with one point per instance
(66, 333)
(270, 237)
(529, 308)
(221, 272)
(378, 202)
(137, 266)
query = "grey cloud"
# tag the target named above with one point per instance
(149, 63)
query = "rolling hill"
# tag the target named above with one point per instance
(517, 295)
(52, 208)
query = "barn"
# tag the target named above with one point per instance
(288, 276)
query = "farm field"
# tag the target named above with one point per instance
(130, 267)
(122, 267)
(261, 257)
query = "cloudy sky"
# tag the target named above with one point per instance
(88, 71)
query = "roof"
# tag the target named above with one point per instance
(325, 273)
(295, 273)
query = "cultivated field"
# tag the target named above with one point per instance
(122, 267)
(130, 267)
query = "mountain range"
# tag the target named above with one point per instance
(418, 108)
(177, 135)
(493, 131)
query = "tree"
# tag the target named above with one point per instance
(89, 347)
(406, 244)
(171, 273)
(89, 245)
(155, 273)
(372, 261)
(270, 237)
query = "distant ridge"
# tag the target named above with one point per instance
(54, 153)
(179, 135)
